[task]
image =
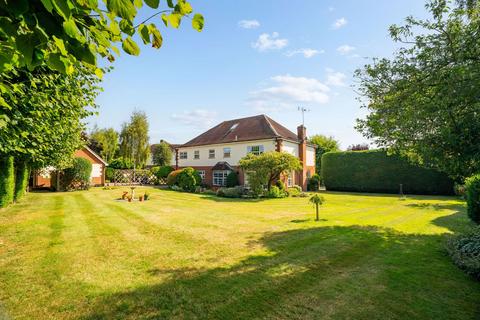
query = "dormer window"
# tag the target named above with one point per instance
(233, 126)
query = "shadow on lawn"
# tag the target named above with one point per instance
(325, 272)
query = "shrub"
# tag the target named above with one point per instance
(121, 163)
(77, 177)
(375, 171)
(465, 251)
(232, 179)
(163, 172)
(314, 183)
(186, 179)
(235, 192)
(109, 173)
(22, 172)
(281, 185)
(293, 192)
(172, 177)
(275, 192)
(209, 192)
(472, 186)
(459, 190)
(7, 181)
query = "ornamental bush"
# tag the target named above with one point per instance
(7, 180)
(232, 179)
(275, 192)
(77, 177)
(235, 192)
(161, 172)
(465, 251)
(314, 183)
(172, 177)
(187, 179)
(120, 163)
(293, 192)
(375, 171)
(21, 179)
(109, 173)
(472, 186)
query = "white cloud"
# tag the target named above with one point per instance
(345, 49)
(285, 91)
(306, 52)
(339, 23)
(336, 79)
(248, 24)
(199, 118)
(269, 42)
(331, 9)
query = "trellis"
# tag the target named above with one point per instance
(135, 177)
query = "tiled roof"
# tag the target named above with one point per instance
(244, 129)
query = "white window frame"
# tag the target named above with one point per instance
(227, 152)
(196, 154)
(256, 149)
(290, 179)
(211, 154)
(219, 177)
(183, 155)
(201, 173)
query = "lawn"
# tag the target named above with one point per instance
(83, 255)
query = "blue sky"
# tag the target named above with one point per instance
(254, 57)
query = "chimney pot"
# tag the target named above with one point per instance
(301, 132)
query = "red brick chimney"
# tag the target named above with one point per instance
(302, 155)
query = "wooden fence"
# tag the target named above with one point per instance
(125, 177)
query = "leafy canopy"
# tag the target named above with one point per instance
(162, 154)
(424, 102)
(265, 169)
(107, 140)
(324, 144)
(134, 140)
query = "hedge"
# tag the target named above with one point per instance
(375, 171)
(7, 180)
(472, 186)
(21, 179)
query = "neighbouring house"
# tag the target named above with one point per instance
(43, 178)
(217, 152)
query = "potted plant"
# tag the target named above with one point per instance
(140, 198)
(146, 196)
(129, 199)
(124, 195)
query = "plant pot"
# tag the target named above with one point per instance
(129, 199)
(140, 198)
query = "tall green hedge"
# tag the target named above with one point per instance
(472, 185)
(7, 180)
(375, 171)
(21, 178)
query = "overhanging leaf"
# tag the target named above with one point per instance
(197, 22)
(62, 8)
(122, 8)
(152, 3)
(144, 34)
(157, 37)
(72, 30)
(130, 47)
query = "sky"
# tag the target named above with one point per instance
(254, 57)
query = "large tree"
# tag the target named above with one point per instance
(134, 140)
(107, 140)
(324, 144)
(162, 154)
(424, 102)
(265, 169)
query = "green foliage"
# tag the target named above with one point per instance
(465, 251)
(266, 168)
(161, 172)
(120, 163)
(375, 171)
(7, 180)
(108, 141)
(134, 139)
(22, 173)
(109, 173)
(188, 179)
(172, 177)
(323, 145)
(294, 192)
(472, 186)
(67, 34)
(317, 201)
(45, 123)
(162, 154)
(423, 103)
(77, 177)
(234, 192)
(281, 185)
(232, 179)
(275, 192)
(314, 182)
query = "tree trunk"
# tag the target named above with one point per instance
(316, 207)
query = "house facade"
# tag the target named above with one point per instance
(43, 178)
(217, 152)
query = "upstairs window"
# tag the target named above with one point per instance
(211, 154)
(256, 150)
(183, 155)
(227, 152)
(196, 154)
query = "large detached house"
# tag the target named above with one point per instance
(217, 152)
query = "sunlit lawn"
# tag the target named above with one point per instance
(187, 256)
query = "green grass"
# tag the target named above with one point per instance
(83, 255)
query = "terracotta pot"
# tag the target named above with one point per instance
(140, 198)
(129, 199)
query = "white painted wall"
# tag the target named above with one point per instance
(96, 170)
(310, 156)
(238, 151)
(290, 147)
